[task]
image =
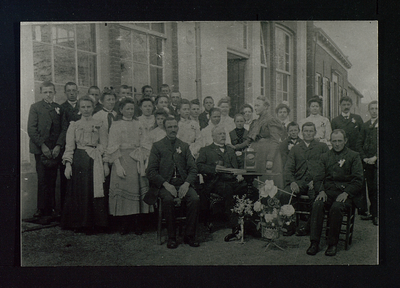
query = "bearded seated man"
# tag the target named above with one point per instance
(302, 165)
(338, 184)
(222, 184)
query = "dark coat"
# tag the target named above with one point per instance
(97, 108)
(69, 114)
(368, 142)
(44, 126)
(210, 155)
(351, 126)
(162, 161)
(304, 163)
(203, 119)
(348, 178)
(284, 147)
(235, 140)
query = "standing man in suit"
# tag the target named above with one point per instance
(302, 165)
(70, 112)
(368, 147)
(172, 172)
(351, 124)
(175, 101)
(338, 185)
(95, 93)
(204, 117)
(44, 130)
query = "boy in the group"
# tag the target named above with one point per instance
(238, 137)
(94, 92)
(195, 110)
(189, 130)
(204, 117)
(164, 90)
(293, 138)
(44, 130)
(175, 100)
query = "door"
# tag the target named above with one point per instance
(236, 82)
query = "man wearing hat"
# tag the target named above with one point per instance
(44, 130)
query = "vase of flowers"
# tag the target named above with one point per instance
(244, 208)
(287, 215)
(268, 207)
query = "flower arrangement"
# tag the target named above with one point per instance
(267, 208)
(287, 215)
(243, 207)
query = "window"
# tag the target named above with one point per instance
(335, 95)
(65, 52)
(326, 98)
(318, 85)
(284, 59)
(263, 59)
(141, 58)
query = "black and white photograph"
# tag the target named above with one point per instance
(199, 143)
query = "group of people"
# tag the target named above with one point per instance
(118, 153)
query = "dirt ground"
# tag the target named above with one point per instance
(56, 247)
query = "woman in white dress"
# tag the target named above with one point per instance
(226, 121)
(322, 123)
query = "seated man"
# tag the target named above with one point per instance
(339, 184)
(303, 164)
(212, 155)
(171, 172)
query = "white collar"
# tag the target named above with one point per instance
(72, 103)
(346, 115)
(126, 119)
(307, 144)
(219, 145)
(373, 120)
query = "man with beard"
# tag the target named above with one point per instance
(172, 172)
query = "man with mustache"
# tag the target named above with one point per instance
(172, 172)
(352, 125)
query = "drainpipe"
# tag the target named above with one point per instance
(198, 62)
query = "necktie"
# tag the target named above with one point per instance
(110, 118)
(346, 117)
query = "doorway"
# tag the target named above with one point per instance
(236, 82)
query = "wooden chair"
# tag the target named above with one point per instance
(304, 206)
(179, 218)
(347, 226)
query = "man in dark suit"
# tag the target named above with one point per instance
(95, 93)
(172, 172)
(44, 130)
(368, 148)
(69, 112)
(222, 184)
(175, 100)
(351, 124)
(204, 117)
(338, 185)
(302, 165)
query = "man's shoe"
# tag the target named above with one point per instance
(38, 214)
(313, 249)
(191, 241)
(375, 221)
(172, 243)
(331, 251)
(302, 231)
(366, 217)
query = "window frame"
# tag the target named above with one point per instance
(132, 28)
(264, 66)
(278, 71)
(75, 49)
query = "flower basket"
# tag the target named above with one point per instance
(269, 233)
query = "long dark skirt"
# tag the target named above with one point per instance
(81, 210)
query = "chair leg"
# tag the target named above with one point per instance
(159, 223)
